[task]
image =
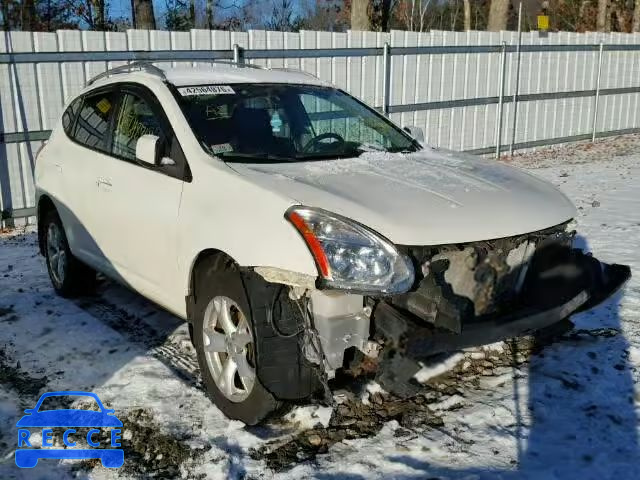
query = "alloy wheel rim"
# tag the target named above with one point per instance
(56, 254)
(229, 348)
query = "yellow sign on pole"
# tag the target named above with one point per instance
(543, 22)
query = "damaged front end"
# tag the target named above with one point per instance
(478, 293)
(463, 295)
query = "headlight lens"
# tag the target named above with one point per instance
(351, 256)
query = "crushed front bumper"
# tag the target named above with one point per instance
(579, 284)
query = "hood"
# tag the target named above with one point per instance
(431, 197)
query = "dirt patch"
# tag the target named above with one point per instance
(354, 419)
(148, 451)
(350, 420)
(15, 378)
(603, 149)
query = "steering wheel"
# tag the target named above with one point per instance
(315, 141)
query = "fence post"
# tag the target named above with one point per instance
(597, 97)
(386, 80)
(516, 91)
(503, 65)
(238, 54)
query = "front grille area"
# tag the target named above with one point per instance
(460, 283)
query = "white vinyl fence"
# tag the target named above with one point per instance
(459, 87)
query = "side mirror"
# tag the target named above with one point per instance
(147, 149)
(415, 132)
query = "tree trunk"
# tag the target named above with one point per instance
(28, 15)
(192, 13)
(498, 15)
(360, 16)
(622, 17)
(143, 15)
(209, 8)
(601, 21)
(635, 26)
(467, 14)
(99, 8)
(385, 15)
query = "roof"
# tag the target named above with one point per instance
(227, 74)
(210, 74)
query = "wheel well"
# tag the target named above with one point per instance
(45, 205)
(212, 259)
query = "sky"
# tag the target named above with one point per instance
(122, 8)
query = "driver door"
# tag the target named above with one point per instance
(140, 203)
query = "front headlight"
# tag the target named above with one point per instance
(349, 255)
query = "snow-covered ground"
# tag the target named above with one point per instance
(568, 412)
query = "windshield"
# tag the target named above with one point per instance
(283, 122)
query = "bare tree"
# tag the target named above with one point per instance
(413, 13)
(143, 16)
(326, 15)
(93, 12)
(498, 15)
(601, 22)
(467, 14)
(283, 17)
(360, 19)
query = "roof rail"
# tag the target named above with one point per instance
(232, 62)
(147, 66)
(294, 70)
(138, 65)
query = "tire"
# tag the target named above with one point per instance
(69, 276)
(224, 290)
(281, 371)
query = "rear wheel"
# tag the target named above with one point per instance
(69, 276)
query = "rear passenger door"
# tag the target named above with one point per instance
(139, 203)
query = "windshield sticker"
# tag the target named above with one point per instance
(221, 148)
(206, 90)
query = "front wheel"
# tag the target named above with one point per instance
(224, 339)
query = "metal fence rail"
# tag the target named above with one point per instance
(461, 87)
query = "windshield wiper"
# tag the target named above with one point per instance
(329, 155)
(248, 157)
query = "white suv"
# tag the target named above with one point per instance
(299, 231)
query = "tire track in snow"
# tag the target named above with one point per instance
(173, 350)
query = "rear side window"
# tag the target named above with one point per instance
(92, 126)
(69, 115)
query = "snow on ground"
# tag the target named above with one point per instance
(570, 411)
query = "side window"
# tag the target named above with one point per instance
(69, 115)
(135, 118)
(92, 126)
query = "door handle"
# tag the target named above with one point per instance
(104, 181)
